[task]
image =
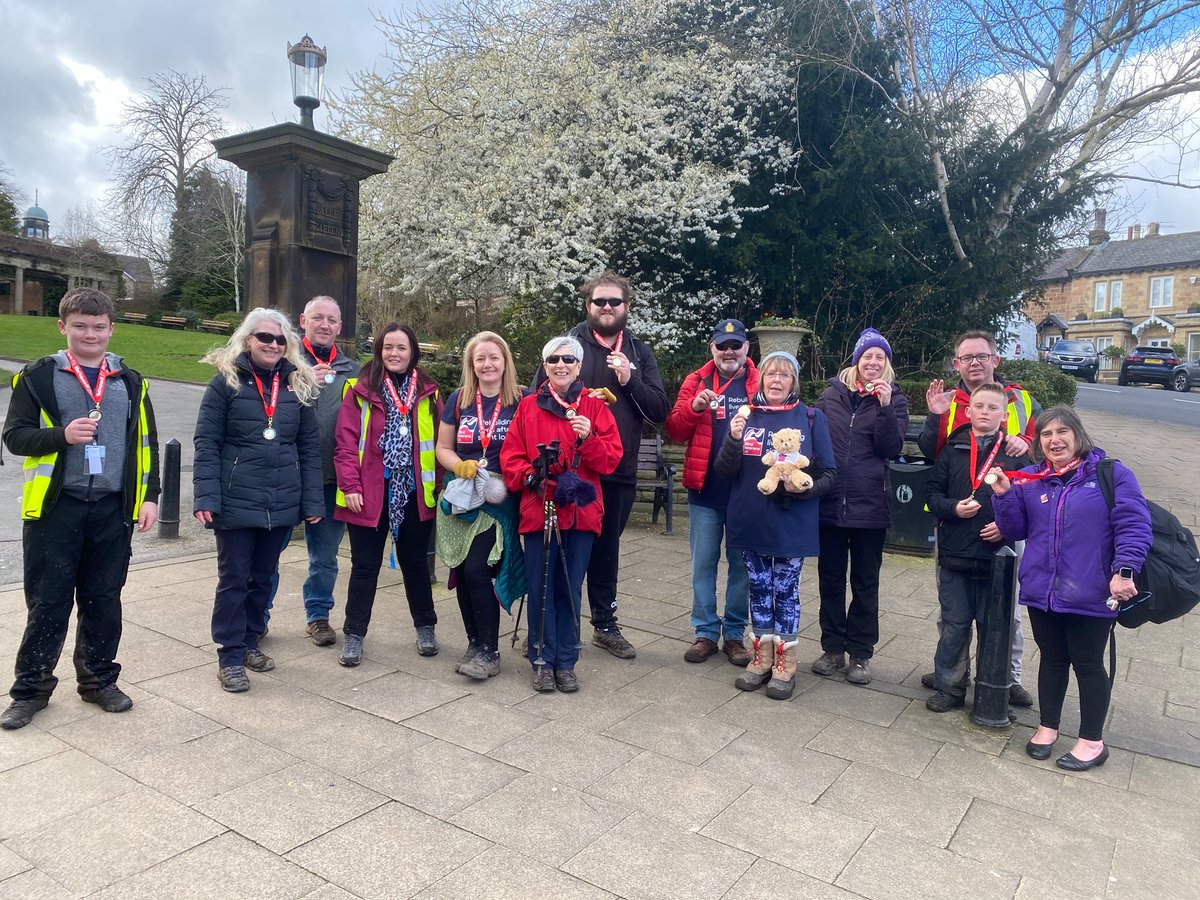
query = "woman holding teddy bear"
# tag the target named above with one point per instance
(779, 456)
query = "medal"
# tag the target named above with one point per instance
(269, 408)
(403, 429)
(744, 412)
(404, 407)
(101, 382)
(719, 389)
(95, 415)
(330, 378)
(486, 431)
(269, 433)
(714, 405)
(570, 413)
(482, 463)
(990, 478)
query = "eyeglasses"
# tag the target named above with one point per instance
(614, 302)
(567, 358)
(264, 338)
(731, 345)
(974, 357)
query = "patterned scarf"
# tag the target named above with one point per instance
(397, 455)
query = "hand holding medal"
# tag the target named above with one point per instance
(738, 425)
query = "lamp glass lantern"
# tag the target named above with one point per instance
(308, 77)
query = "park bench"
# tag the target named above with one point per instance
(657, 476)
(215, 326)
(134, 318)
(172, 322)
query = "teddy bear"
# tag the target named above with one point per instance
(786, 462)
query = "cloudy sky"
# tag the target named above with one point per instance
(69, 66)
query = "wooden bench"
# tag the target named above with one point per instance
(172, 322)
(134, 318)
(657, 475)
(215, 326)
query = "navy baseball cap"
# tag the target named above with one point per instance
(729, 330)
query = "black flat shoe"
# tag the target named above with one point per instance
(1071, 764)
(1038, 751)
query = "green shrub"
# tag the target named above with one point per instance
(233, 318)
(1117, 312)
(1047, 384)
(154, 316)
(194, 318)
(446, 373)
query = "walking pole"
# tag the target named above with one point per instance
(562, 555)
(545, 463)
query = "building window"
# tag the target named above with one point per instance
(1101, 296)
(1158, 342)
(1102, 343)
(1114, 292)
(1162, 291)
(1193, 346)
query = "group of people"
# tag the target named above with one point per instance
(531, 489)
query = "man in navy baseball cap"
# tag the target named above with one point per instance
(729, 330)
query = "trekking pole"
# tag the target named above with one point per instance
(544, 463)
(562, 555)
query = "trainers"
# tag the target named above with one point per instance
(320, 632)
(942, 702)
(257, 661)
(470, 653)
(351, 649)
(927, 681)
(860, 671)
(483, 665)
(737, 652)
(109, 698)
(427, 644)
(829, 663)
(543, 679)
(1018, 696)
(233, 679)
(21, 712)
(566, 681)
(614, 642)
(701, 650)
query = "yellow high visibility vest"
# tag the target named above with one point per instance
(1020, 411)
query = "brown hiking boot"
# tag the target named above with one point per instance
(701, 650)
(737, 652)
(758, 670)
(320, 632)
(783, 675)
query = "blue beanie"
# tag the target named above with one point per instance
(868, 339)
(793, 364)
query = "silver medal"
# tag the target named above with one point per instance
(95, 415)
(482, 463)
(403, 429)
(269, 433)
(329, 377)
(714, 404)
(570, 413)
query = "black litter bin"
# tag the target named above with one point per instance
(912, 527)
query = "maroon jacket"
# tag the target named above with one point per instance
(686, 426)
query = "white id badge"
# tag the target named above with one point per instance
(93, 455)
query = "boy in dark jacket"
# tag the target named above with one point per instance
(967, 533)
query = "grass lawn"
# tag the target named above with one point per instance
(155, 352)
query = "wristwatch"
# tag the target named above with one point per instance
(1125, 572)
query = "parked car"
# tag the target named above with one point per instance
(1158, 365)
(1078, 358)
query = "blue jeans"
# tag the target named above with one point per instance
(706, 528)
(560, 633)
(323, 540)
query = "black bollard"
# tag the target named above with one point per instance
(431, 554)
(168, 507)
(995, 645)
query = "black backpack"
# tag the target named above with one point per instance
(1169, 583)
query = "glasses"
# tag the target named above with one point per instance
(974, 357)
(614, 302)
(567, 358)
(264, 338)
(731, 345)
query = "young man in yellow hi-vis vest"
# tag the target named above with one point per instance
(84, 422)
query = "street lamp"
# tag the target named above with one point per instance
(308, 77)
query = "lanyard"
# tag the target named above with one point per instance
(101, 381)
(569, 407)
(782, 407)
(719, 388)
(269, 409)
(313, 353)
(977, 474)
(1025, 477)
(485, 435)
(615, 348)
(404, 407)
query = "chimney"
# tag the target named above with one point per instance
(1137, 232)
(1129, 233)
(1098, 235)
(1152, 230)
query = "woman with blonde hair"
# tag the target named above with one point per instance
(257, 473)
(480, 543)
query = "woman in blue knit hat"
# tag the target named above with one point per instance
(868, 416)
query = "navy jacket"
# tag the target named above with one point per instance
(865, 440)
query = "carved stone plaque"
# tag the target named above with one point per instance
(330, 210)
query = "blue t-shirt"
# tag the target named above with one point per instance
(715, 494)
(468, 429)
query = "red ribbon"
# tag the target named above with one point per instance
(977, 473)
(404, 407)
(313, 353)
(101, 378)
(268, 409)
(485, 436)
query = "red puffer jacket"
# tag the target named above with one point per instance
(686, 426)
(598, 455)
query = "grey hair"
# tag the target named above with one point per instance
(224, 359)
(572, 344)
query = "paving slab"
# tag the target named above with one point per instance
(34, 885)
(767, 879)
(691, 739)
(891, 867)
(53, 788)
(504, 874)
(857, 741)
(475, 723)
(784, 766)
(565, 753)
(349, 743)
(12, 863)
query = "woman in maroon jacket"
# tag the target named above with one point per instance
(562, 410)
(387, 481)
(868, 416)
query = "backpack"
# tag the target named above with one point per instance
(1169, 582)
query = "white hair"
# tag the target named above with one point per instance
(224, 359)
(573, 346)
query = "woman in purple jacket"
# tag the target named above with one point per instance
(1078, 554)
(868, 416)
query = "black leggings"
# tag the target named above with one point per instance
(367, 546)
(1068, 641)
(476, 595)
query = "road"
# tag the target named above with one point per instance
(1141, 402)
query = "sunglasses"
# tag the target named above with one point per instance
(731, 345)
(568, 359)
(614, 302)
(263, 338)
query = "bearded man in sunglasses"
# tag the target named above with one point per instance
(614, 359)
(707, 402)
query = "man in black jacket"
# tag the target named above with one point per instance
(84, 422)
(614, 359)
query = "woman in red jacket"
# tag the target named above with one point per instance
(562, 410)
(387, 481)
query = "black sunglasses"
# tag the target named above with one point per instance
(731, 345)
(567, 358)
(614, 302)
(264, 338)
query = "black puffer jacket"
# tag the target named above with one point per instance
(245, 480)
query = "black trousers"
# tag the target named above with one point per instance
(247, 559)
(366, 556)
(606, 554)
(76, 554)
(1068, 641)
(476, 594)
(861, 550)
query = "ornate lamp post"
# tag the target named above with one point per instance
(308, 77)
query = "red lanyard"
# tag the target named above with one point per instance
(977, 474)
(569, 407)
(615, 348)
(485, 435)
(719, 388)
(783, 407)
(268, 408)
(313, 353)
(101, 378)
(1025, 477)
(404, 407)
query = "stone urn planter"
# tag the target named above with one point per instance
(774, 338)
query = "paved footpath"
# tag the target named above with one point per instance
(658, 779)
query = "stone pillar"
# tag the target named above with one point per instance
(19, 290)
(301, 216)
